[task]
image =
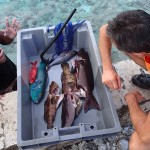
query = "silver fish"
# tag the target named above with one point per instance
(63, 57)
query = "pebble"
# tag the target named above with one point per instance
(128, 130)
(75, 147)
(1, 144)
(102, 147)
(112, 139)
(108, 145)
(81, 145)
(1, 130)
(123, 144)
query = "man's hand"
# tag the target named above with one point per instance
(11, 30)
(111, 78)
(133, 95)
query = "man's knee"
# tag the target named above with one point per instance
(133, 145)
(136, 143)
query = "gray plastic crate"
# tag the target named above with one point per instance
(31, 130)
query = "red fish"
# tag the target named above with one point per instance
(33, 72)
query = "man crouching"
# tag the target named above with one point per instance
(140, 139)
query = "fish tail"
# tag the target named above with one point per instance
(49, 126)
(91, 103)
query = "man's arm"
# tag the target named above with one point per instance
(110, 76)
(105, 48)
(140, 119)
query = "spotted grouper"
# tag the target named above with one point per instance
(51, 104)
(72, 104)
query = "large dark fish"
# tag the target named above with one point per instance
(85, 79)
(72, 104)
(63, 57)
(37, 89)
(51, 104)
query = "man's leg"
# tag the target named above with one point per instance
(136, 143)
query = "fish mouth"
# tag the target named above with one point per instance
(36, 101)
(75, 52)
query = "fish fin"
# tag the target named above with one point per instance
(49, 126)
(60, 100)
(73, 70)
(91, 103)
(80, 93)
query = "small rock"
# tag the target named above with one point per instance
(99, 141)
(112, 139)
(128, 130)
(75, 147)
(81, 145)
(123, 144)
(90, 145)
(102, 147)
(1, 144)
(1, 130)
(108, 145)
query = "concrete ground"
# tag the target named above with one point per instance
(8, 102)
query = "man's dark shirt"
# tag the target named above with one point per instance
(8, 71)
